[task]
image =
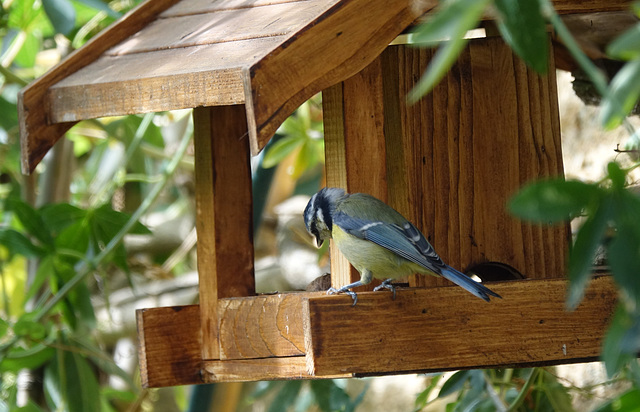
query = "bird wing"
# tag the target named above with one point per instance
(404, 239)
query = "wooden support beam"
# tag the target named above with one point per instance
(447, 328)
(263, 326)
(223, 214)
(355, 148)
(169, 346)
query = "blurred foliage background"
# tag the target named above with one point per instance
(106, 225)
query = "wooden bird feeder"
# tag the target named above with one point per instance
(449, 163)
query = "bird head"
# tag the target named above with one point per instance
(319, 211)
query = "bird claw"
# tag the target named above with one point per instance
(386, 284)
(354, 296)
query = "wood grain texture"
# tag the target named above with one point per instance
(355, 148)
(301, 67)
(589, 6)
(222, 26)
(156, 81)
(447, 328)
(456, 157)
(169, 346)
(268, 369)
(223, 214)
(206, 6)
(37, 134)
(261, 327)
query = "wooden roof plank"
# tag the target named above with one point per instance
(205, 6)
(37, 133)
(156, 81)
(223, 26)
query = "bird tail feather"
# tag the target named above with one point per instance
(464, 281)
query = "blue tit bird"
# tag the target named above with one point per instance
(378, 241)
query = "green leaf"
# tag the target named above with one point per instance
(60, 215)
(4, 327)
(101, 359)
(452, 21)
(524, 29)
(30, 219)
(423, 397)
(22, 14)
(25, 327)
(454, 383)
(623, 95)
(554, 200)
(588, 239)
(61, 14)
(29, 407)
(19, 358)
(613, 356)
(617, 175)
(32, 45)
(102, 6)
(111, 221)
(286, 396)
(281, 149)
(75, 237)
(624, 259)
(80, 301)
(70, 384)
(627, 45)
(45, 270)
(627, 402)
(557, 393)
(18, 244)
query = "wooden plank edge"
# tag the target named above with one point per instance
(169, 346)
(461, 341)
(37, 135)
(261, 369)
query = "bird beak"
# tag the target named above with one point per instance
(319, 242)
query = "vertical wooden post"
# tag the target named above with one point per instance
(223, 214)
(355, 147)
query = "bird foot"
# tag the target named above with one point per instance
(386, 284)
(354, 296)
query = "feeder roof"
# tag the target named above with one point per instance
(269, 55)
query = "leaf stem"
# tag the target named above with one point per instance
(525, 389)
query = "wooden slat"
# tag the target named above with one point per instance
(298, 69)
(590, 6)
(446, 328)
(206, 6)
(156, 81)
(223, 26)
(223, 214)
(260, 370)
(355, 148)
(261, 327)
(37, 135)
(169, 346)
(457, 156)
